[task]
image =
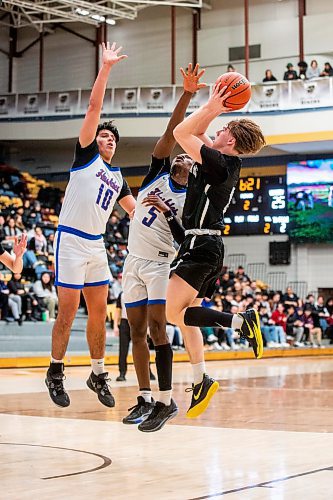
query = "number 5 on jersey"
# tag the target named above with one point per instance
(153, 214)
(106, 198)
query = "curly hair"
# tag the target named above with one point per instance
(248, 135)
(108, 126)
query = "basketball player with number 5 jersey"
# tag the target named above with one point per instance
(80, 256)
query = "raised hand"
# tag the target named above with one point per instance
(20, 245)
(152, 200)
(191, 78)
(110, 55)
(218, 98)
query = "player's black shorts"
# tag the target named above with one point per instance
(199, 262)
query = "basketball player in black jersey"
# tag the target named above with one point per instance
(212, 181)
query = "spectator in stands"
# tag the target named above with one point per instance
(329, 305)
(279, 319)
(11, 231)
(230, 68)
(226, 282)
(123, 227)
(269, 77)
(38, 243)
(303, 66)
(2, 227)
(309, 324)
(46, 294)
(240, 274)
(274, 300)
(265, 301)
(322, 312)
(16, 291)
(268, 328)
(313, 71)
(19, 223)
(290, 74)
(115, 288)
(295, 325)
(289, 298)
(4, 294)
(328, 70)
(50, 243)
(310, 302)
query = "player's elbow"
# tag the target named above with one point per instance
(177, 133)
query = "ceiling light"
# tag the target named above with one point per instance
(111, 21)
(82, 12)
(97, 17)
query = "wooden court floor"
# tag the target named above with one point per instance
(266, 435)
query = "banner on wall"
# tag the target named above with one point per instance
(266, 97)
(199, 98)
(310, 94)
(65, 103)
(125, 100)
(84, 102)
(7, 105)
(156, 100)
(32, 104)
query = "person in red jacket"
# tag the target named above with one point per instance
(279, 319)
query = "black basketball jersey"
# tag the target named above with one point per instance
(210, 189)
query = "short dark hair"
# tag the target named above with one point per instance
(108, 126)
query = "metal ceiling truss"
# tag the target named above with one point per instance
(40, 13)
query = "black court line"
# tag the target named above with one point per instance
(262, 485)
(106, 461)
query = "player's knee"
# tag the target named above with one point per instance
(157, 332)
(138, 335)
(171, 315)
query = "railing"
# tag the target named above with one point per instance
(276, 96)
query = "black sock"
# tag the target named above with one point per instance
(56, 368)
(204, 316)
(163, 360)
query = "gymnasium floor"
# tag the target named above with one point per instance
(266, 435)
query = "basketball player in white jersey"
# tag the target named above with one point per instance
(147, 267)
(80, 256)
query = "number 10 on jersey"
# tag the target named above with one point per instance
(106, 198)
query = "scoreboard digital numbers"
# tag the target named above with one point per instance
(258, 206)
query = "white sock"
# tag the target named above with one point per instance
(97, 366)
(146, 395)
(236, 322)
(56, 360)
(164, 397)
(199, 369)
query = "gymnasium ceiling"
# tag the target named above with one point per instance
(41, 14)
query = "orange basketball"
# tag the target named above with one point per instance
(240, 89)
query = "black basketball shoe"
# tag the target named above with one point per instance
(202, 394)
(99, 384)
(139, 412)
(54, 383)
(250, 330)
(159, 416)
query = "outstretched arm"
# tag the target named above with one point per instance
(191, 133)
(15, 264)
(110, 57)
(191, 77)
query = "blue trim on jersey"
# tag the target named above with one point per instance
(137, 303)
(156, 301)
(112, 169)
(174, 189)
(74, 169)
(77, 232)
(68, 285)
(151, 182)
(97, 283)
(57, 257)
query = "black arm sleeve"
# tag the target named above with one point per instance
(157, 166)
(2, 250)
(177, 230)
(125, 190)
(82, 156)
(118, 303)
(214, 165)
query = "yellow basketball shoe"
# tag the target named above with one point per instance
(250, 330)
(202, 394)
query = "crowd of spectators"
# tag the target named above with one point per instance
(305, 72)
(286, 319)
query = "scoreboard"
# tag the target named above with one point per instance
(258, 206)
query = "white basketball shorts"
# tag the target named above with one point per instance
(144, 281)
(80, 259)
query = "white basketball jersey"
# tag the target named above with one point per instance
(149, 235)
(93, 188)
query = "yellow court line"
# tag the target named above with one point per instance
(40, 362)
(324, 135)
